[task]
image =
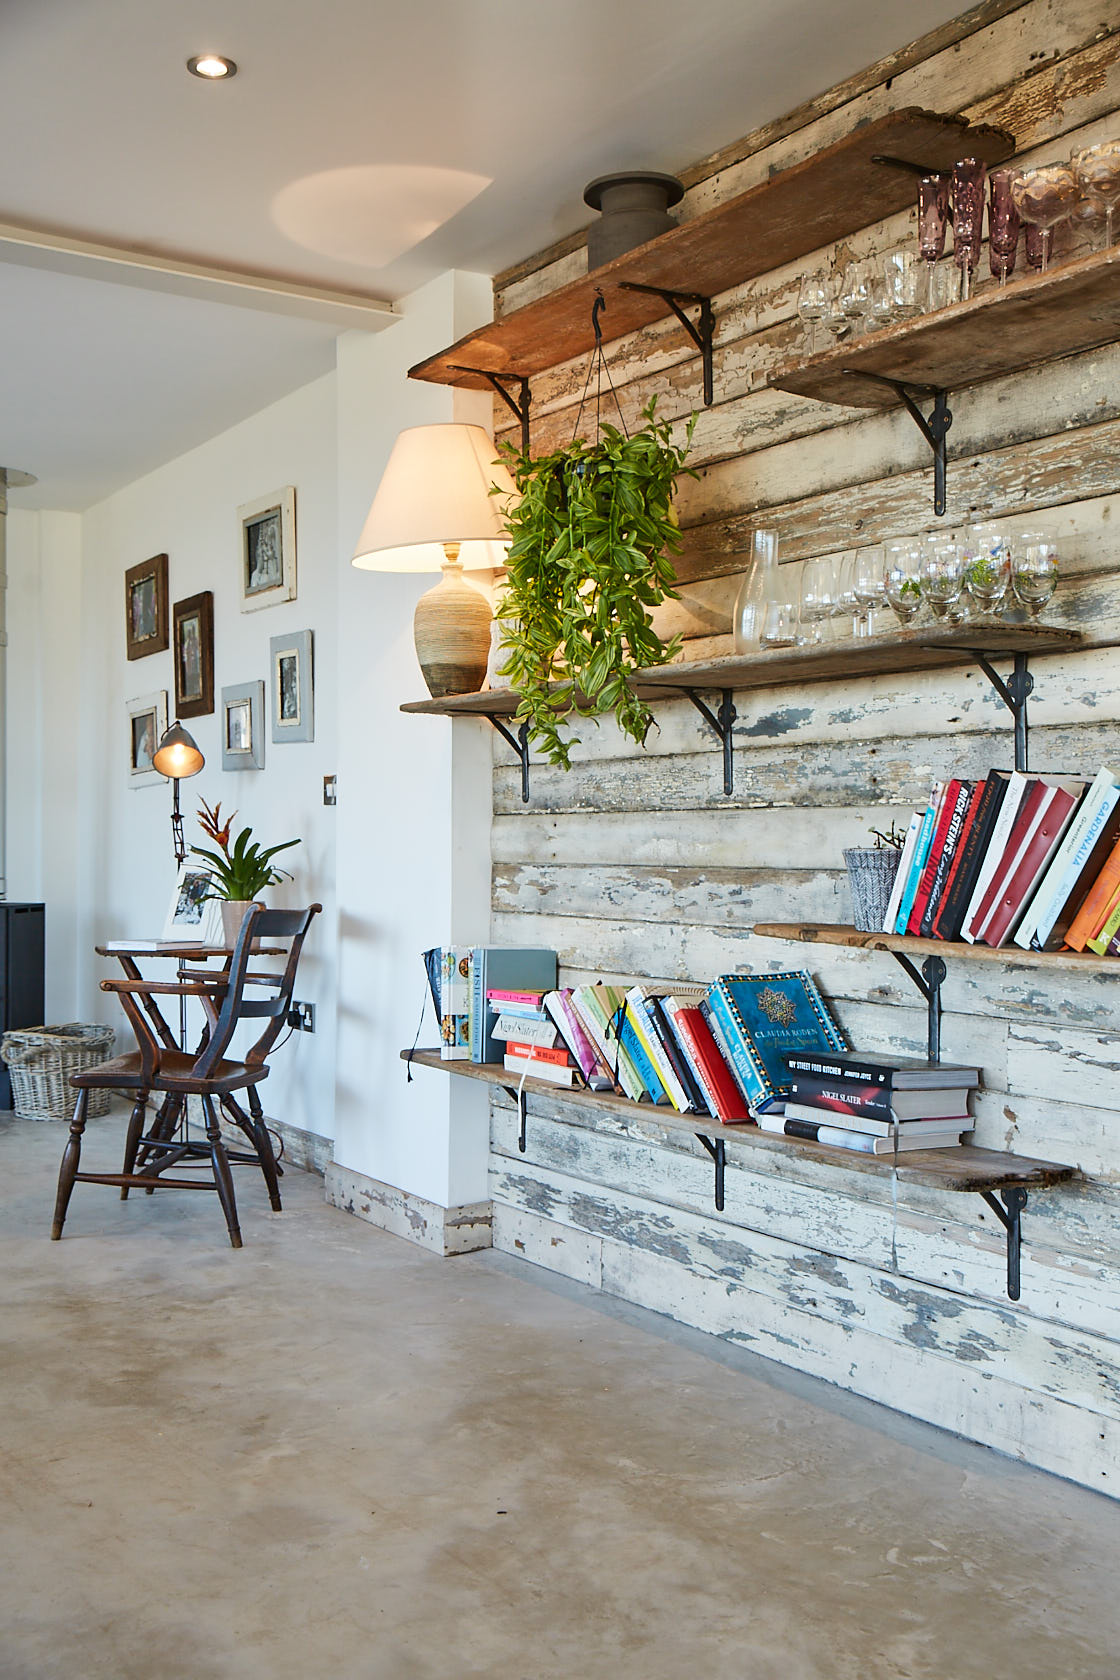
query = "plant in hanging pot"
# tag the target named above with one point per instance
(240, 872)
(593, 532)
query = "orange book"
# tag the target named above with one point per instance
(1095, 906)
(538, 1053)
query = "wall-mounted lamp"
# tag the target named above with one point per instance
(433, 511)
(177, 757)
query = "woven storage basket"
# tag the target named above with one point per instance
(41, 1060)
(871, 873)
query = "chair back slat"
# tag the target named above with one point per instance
(259, 923)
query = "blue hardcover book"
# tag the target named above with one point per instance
(764, 1016)
(643, 1067)
(918, 862)
(498, 968)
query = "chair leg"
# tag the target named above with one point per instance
(132, 1138)
(71, 1156)
(163, 1129)
(257, 1112)
(262, 1143)
(223, 1178)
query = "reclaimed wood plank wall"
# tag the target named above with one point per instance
(636, 864)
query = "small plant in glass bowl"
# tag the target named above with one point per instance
(987, 567)
(239, 871)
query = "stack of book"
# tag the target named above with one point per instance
(466, 973)
(875, 1105)
(1029, 858)
(532, 1042)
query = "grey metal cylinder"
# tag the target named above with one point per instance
(634, 205)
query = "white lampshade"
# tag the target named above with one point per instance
(435, 490)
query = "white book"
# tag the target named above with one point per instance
(1070, 859)
(1001, 834)
(522, 1030)
(551, 1071)
(902, 871)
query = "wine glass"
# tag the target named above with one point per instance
(942, 576)
(1034, 570)
(867, 586)
(968, 217)
(902, 579)
(904, 269)
(987, 567)
(845, 599)
(855, 294)
(1003, 224)
(1096, 170)
(933, 219)
(1044, 197)
(818, 595)
(813, 304)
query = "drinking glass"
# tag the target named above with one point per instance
(882, 309)
(855, 294)
(1034, 570)
(845, 607)
(1096, 170)
(867, 585)
(1003, 224)
(968, 217)
(902, 579)
(818, 595)
(813, 304)
(905, 270)
(933, 219)
(1044, 197)
(942, 574)
(1034, 245)
(987, 567)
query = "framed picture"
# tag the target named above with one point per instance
(243, 727)
(145, 607)
(293, 687)
(193, 639)
(147, 721)
(268, 550)
(191, 915)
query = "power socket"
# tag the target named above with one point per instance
(302, 1017)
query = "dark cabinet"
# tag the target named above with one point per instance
(22, 928)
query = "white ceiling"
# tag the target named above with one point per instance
(362, 147)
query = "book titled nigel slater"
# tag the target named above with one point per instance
(764, 1015)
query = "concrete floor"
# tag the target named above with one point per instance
(333, 1457)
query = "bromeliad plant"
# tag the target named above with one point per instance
(242, 871)
(592, 536)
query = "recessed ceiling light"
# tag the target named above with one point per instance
(212, 67)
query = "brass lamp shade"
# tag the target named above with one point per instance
(177, 755)
(433, 511)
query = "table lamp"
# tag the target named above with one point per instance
(433, 511)
(177, 757)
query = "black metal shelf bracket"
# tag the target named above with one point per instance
(701, 331)
(718, 1152)
(1009, 1214)
(519, 403)
(1014, 693)
(722, 724)
(935, 430)
(929, 983)
(520, 745)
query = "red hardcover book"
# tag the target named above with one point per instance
(945, 901)
(697, 1034)
(1055, 812)
(1026, 815)
(538, 1053)
(945, 804)
(956, 810)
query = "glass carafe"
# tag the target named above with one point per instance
(765, 615)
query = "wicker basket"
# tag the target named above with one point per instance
(871, 872)
(41, 1061)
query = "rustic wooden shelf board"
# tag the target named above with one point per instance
(796, 211)
(1034, 318)
(835, 933)
(961, 1169)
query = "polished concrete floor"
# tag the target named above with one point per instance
(333, 1457)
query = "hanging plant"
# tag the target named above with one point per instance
(592, 534)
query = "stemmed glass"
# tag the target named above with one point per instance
(942, 574)
(813, 304)
(1096, 170)
(855, 294)
(845, 599)
(1034, 571)
(818, 595)
(968, 217)
(902, 579)
(1045, 197)
(1003, 224)
(903, 268)
(933, 219)
(987, 567)
(867, 586)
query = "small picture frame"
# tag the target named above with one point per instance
(147, 723)
(145, 607)
(268, 550)
(191, 914)
(243, 726)
(193, 642)
(293, 686)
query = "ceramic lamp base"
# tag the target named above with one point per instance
(451, 629)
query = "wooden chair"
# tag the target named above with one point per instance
(206, 1073)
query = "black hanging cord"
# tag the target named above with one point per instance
(598, 365)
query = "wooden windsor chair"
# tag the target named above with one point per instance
(176, 1074)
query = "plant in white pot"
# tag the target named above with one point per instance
(240, 872)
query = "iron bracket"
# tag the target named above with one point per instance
(1014, 693)
(722, 723)
(718, 1152)
(518, 404)
(520, 745)
(701, 331)
(1009, 1215)
(929, 983)
(935, 430)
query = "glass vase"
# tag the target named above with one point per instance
(765, 614)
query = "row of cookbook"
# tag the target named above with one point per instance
(1014, 857)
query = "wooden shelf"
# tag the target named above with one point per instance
(936, 648)
(961, 1169)
(796, 211)
(833, 933)
(1034, 318)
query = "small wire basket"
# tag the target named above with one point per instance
(871, 872)
(41, 1061)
